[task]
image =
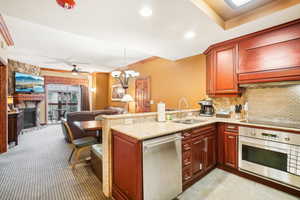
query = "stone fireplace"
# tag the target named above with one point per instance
(29, 104)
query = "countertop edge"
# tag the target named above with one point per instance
(187, 127)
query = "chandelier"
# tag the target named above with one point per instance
(124, 76)
(67, 4)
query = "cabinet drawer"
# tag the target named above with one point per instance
(202, 130)
(186, 158)
(232, 128)
(187, 174)
(186, 145)
(186, 135)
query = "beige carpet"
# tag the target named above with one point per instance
(38, 169)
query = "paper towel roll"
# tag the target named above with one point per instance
(161, 112)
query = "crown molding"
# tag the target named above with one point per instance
(5, 32)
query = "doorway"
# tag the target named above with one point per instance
(62, 99)
(142, 95)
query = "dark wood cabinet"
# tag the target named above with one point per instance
(228, 145)
(210, 74)
(210, 151)
(221, 71)
(230, 149)
(226, 60)
(271, 56)
(198, 153)
(15, 126)
(127, 167)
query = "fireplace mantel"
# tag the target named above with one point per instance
(28, 97)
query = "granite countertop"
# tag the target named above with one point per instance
(148, 130)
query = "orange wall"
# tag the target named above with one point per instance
(170, 80)
(100, 96)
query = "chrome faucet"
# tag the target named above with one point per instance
(181, 101)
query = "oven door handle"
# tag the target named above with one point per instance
(271, 148)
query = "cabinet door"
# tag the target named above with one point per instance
(210, 149)
(198, 156)
(127, 167)
(225, 69)
(209, 74)
(273, 50)
(230, 157)
(271, 56)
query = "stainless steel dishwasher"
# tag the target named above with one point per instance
(162, 167)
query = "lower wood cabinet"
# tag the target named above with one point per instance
(228, 145)
(127, 168)
(15, 126)
(199, 153)
(230, 151)
(198, 156)
(211, 151)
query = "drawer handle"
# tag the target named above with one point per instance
(186, 134)
(187, 163)
(231, 127)
(187, 178)
(197, 142)
(231, 137)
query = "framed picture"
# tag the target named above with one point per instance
(117, 92)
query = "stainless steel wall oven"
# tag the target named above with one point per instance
(271, 154)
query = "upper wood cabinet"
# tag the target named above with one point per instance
(221, 70)
(210, 74)
(271, 56)
(225, 66)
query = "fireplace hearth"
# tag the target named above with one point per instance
(29, 105)
(30, 117)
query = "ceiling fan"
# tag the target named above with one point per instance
(77, 70)
(69, 62)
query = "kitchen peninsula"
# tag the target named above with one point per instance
(206, 143)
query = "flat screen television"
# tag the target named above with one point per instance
(27, 83)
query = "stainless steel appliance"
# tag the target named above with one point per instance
(207, 108)
(162, 168)
(271, 154)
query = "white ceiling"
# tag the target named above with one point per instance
(97, 31)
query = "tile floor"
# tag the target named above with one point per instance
(221, 185)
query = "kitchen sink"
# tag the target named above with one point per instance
(189, 121)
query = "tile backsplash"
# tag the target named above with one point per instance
(267, 103)
(276, 104)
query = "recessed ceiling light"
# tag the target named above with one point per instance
(146, 11)
(189, 35)
(237, 3)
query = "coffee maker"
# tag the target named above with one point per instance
(207, 108)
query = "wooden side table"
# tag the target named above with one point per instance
(15, 126)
